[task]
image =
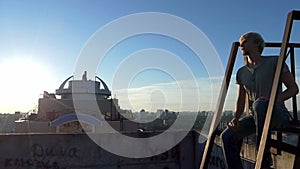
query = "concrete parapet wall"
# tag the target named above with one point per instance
(76, 151)
(283, 161)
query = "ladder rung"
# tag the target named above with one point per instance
(296, 15)
(285, 147)
(278, 44)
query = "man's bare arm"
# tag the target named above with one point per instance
(240, 106)
(291, 87)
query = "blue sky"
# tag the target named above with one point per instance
(48, 36)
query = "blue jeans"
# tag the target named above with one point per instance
(252, 124)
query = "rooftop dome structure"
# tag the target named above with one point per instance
(83, 89)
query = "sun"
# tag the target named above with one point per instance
(22, 82)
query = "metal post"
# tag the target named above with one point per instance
(281, 60)
(219, 107)
(292, 57)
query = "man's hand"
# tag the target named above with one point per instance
(233, 123)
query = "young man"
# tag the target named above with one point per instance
(255, 79)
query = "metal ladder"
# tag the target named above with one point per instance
(293, 15)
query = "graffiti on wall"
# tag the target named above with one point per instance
(42, 156)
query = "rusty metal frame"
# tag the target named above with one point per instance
(219, 108)
(282, 57)
(293, 15)
(274, 143)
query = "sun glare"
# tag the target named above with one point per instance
(22, 82)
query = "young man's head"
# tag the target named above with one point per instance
(253, 40)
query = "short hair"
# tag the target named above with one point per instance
(257, 38)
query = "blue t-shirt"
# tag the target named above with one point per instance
(258, 81)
